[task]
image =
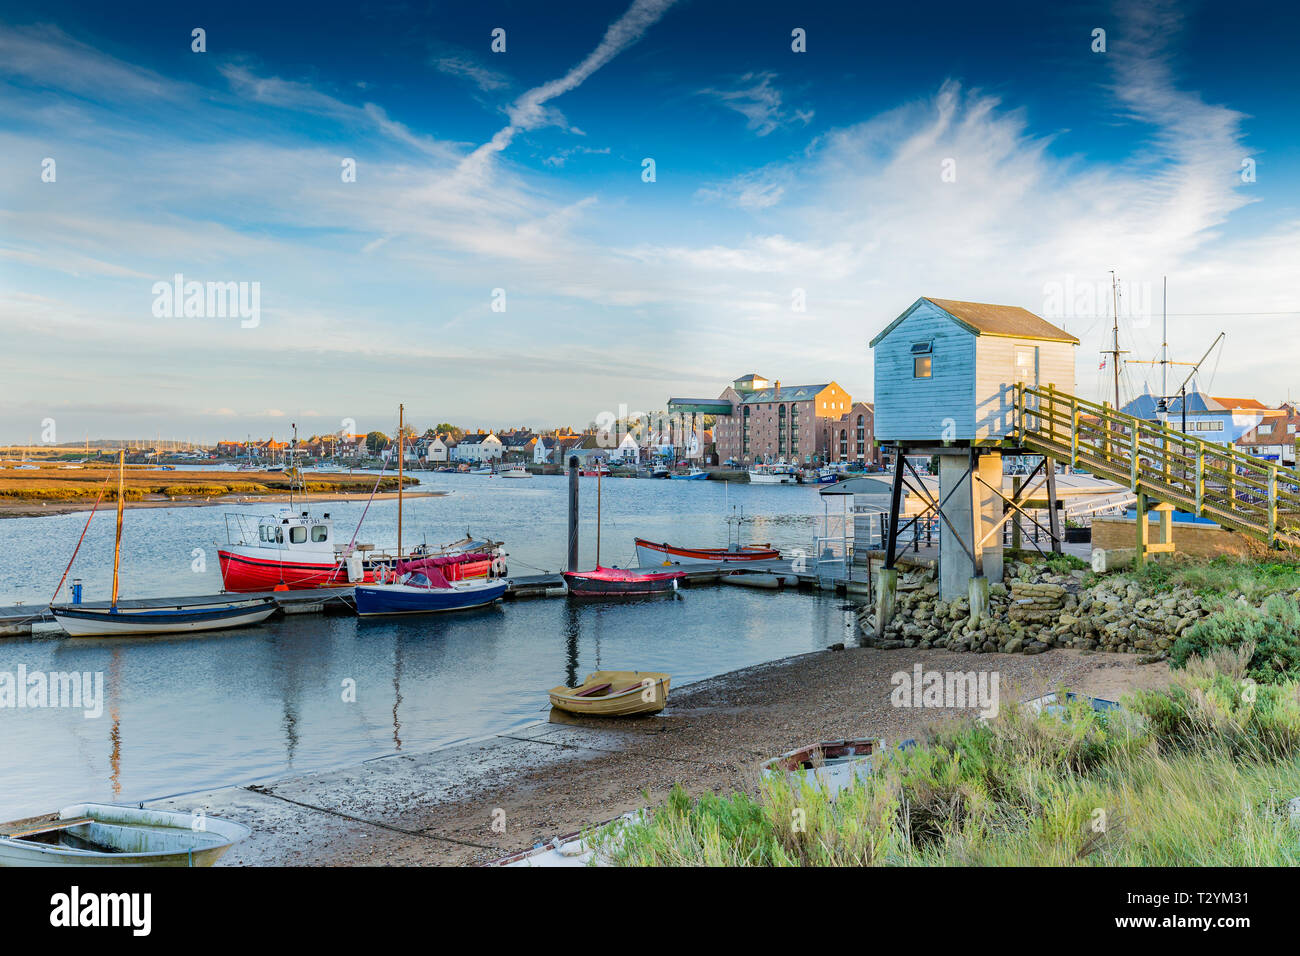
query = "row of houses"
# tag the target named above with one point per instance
(1246, 424)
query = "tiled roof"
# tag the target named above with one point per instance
(984, 318)
(789, 393)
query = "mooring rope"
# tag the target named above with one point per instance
(79, 540)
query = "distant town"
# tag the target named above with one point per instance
(754, 421)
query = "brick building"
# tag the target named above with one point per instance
(853, 438)
(758, 420)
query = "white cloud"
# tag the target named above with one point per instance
(758, 100)
(489, 81)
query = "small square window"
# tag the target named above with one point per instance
(921, 366)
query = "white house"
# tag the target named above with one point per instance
(945, 369)
(436, 451)
(627, 450)
(478, 447)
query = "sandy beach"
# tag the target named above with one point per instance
(438, 808)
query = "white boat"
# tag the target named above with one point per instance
(97, 834)
(773, 475)
(120, 621)
(516, 473)
(831, 765)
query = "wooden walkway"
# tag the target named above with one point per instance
(1255, 497)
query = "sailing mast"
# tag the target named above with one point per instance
(401, 454)
(1114, 351)
(117, 544)
(598, 471)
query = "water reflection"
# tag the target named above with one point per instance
(241, 706)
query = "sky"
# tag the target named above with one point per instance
(622, 202)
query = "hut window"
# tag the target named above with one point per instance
(921, 366)
(1027, 364)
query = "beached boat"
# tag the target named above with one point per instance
(651, 554)
(831, 765)
(423, 587)
(695, 474)
(96, 834)
(621, 582)
(614, 694)
(81, 621)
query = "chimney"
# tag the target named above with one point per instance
(778, 389)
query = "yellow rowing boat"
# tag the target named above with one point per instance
(614, 694)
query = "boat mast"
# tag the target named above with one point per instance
(401, 410)
(117, 544)
(598, 470)
(1114, 351)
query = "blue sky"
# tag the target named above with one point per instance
(775, 171)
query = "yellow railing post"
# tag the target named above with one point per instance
(1133, 459)
(1074, 432)
(1272, 505)
(1200, 479)
(1105, 431)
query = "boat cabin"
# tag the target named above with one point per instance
(285, 531)
(945, 370)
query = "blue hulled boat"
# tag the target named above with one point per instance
(422, 588)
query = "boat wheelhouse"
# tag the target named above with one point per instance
(296, 551)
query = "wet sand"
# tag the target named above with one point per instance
(28, 509)
(548, 779)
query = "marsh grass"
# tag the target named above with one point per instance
(1254, 578)
(1196, 775)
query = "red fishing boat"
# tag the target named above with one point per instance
(299, 551)
(617, 582)
(651, 554)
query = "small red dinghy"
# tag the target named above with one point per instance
(621, 582)
(650, 554)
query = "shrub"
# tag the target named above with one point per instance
(1273, 631)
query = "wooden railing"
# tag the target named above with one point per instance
(1238, 491)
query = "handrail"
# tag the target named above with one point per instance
(1239, 491)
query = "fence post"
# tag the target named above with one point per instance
(1105, 431)
(1272, 505)
(1200, 479)
(1074, 432)
(1133, 459)
(1051, 413)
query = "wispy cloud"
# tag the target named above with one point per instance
(757, 98)
(489, 81)
(530, 110)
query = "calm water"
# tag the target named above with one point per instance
(193, 712)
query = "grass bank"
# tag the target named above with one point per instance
(1200, 774)
(139, 484)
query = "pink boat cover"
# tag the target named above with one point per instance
(627, 575)
(430, 567)
(425, 565)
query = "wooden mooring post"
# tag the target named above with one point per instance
(572, 563)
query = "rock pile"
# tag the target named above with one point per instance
(1036, 609)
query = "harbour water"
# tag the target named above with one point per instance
(185, 713)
